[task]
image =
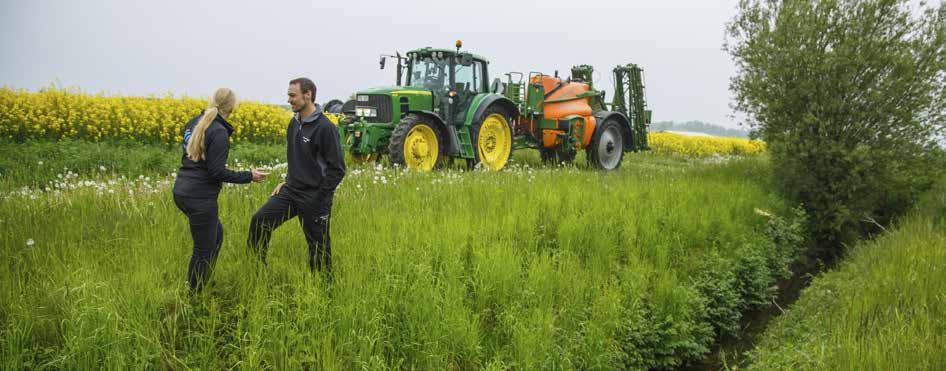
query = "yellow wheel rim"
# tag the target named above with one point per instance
(364, 158)
(421, 148)
(494, 142)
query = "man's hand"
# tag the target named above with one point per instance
(278, 187)
(259, 175)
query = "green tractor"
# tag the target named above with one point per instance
(445, 109)
(442, 111)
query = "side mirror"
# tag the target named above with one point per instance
(382, 62)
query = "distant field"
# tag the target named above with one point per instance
(529, 268)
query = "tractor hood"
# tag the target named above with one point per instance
(387, 104)
(386, 90)
(395, 90)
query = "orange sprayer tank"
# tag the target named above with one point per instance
(565, 92)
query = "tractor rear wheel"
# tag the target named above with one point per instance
(416, 143)
(607, 146)
(492, 139)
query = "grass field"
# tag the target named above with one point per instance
(883, 309)
(528, 268)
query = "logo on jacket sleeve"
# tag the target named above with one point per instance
(187, 137)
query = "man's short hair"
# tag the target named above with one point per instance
(304, 85)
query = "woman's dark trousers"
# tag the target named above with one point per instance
(207, 232)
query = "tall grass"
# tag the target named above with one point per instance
(883, 309)
(529, 268)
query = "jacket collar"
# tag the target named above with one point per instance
(310, 118)
(223, 122)
(226, 124)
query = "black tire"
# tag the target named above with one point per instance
(333, 106)
(399, 135)
(475, 133)
(606, 150)
(548, 155)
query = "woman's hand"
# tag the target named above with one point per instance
(259, 175)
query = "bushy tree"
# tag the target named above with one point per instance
(850, 96)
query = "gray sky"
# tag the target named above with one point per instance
(255, 47)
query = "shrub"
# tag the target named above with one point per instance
(850, 96)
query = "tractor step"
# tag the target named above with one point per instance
(466, 143)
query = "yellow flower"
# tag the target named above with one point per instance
(700, 146)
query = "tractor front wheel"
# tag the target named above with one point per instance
(416, 143)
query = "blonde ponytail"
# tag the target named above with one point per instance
(223, 102)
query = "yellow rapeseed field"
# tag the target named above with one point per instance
(56, 113)
(700, 146)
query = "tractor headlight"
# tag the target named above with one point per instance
(366, 112)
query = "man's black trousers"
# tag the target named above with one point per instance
(207, 233)
(313, 216)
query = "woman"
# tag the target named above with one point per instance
(203, 171)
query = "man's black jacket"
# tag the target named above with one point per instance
(316, 163)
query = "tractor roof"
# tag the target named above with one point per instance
(427, 50)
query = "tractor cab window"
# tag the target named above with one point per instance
(429, 72)
(469, 78)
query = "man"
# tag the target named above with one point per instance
(316, 167)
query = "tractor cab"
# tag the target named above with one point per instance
(453, 78)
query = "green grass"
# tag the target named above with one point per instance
(529, 268)
(35, 164)
(884, 308)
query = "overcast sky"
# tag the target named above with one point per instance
(255, 47)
